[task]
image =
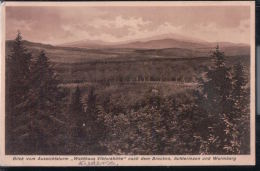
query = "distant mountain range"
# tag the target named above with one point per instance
(164, 46)
(156, 42)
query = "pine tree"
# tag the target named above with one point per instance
(76, 104)
(18, 72)
(241, 108)
(94, 123)
(77, 115)
(239, 90)
(45, 84)
(17, 88)
(216, 104)
(44, 107)
(78, 126)
(91, 102)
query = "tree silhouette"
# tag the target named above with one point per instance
(239, 90)
(216, 104)
(241, 109)
(44, 107)
(17, 88)
(76, 104)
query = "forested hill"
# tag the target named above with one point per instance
(78, 55)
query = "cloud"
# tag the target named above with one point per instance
(116, 29)
(57, 25)
(165, 28)
(132, 28)
(213, 32)
(132, 23)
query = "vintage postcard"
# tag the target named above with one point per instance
(127, 83)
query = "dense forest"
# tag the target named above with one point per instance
(124, 111)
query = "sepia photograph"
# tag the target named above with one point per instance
(127, 83)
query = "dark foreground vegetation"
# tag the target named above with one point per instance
(122, 108)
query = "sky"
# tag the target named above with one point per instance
(63, 24)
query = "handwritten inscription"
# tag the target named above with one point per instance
(97, 163)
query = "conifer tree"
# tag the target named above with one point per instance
(45, 84)
(17, 88)
(45, 99)
(216, 104)
(95, 123)
(78, 123)
(76, 104)
(239, 90)
(77, 114)
(91, 102)
(18, 72)
(241, 108)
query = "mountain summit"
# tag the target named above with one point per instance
(155, 42)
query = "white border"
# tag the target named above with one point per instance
(7, 160)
